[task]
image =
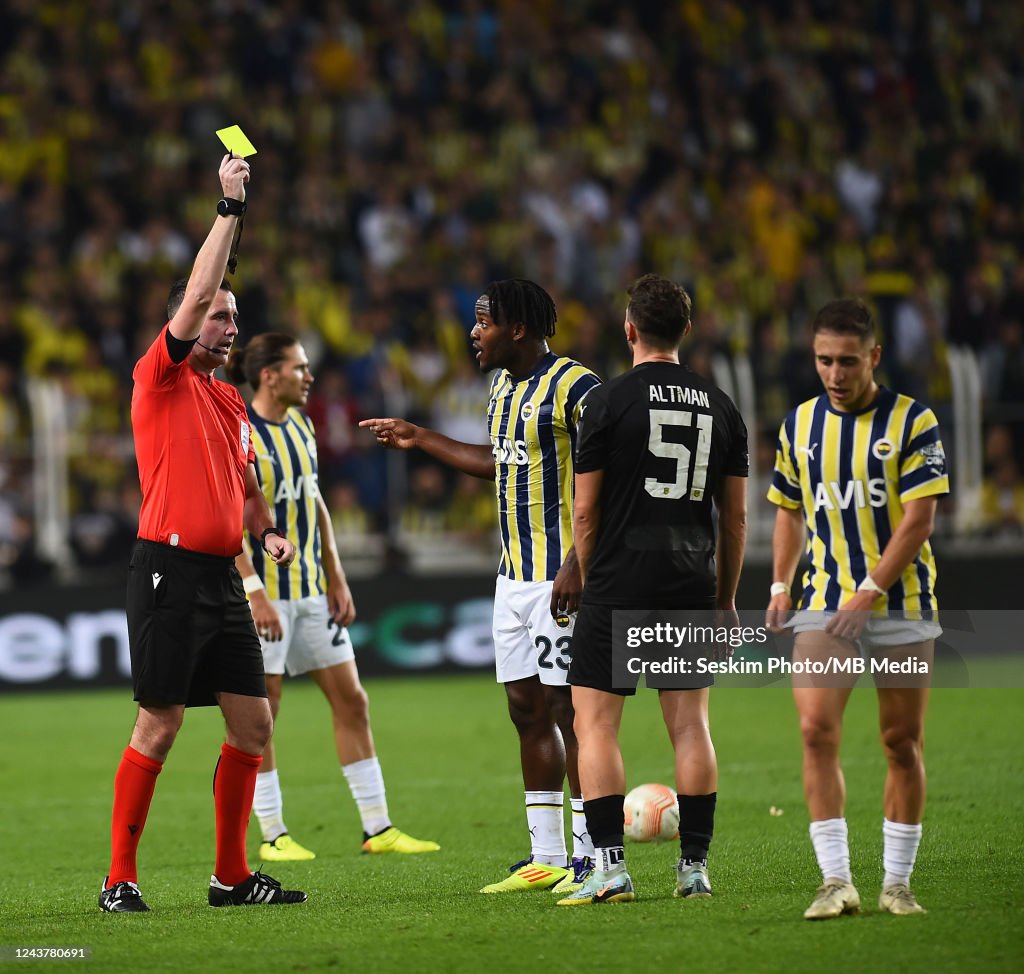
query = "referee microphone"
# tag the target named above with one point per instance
(216, 351)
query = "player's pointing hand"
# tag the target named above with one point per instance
(396, 433)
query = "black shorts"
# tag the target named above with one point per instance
(593, 663)
(190, 629)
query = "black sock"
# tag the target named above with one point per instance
(606, 825)
(696, 825)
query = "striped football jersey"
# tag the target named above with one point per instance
(532, 423)
(287, 471)
(851, 474)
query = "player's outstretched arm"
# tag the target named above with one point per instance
(472, 458)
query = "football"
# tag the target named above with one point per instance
(652, 814)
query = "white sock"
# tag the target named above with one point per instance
(366, 782)
(547, 831)
(268, 805)
(832, 847)
(582, 844)
(899, 850)
(610, 859)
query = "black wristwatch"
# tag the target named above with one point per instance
(263, 537)
(229, 207)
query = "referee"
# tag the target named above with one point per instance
(191, 634)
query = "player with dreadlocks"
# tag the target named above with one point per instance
(534, 407)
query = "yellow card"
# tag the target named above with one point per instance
(235, 141)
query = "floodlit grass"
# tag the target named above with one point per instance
(451, 763)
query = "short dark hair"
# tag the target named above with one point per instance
(660, 309)
(177, 294)
(846, 316)
(516, 300)
(245, 362)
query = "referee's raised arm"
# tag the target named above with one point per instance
(212, 260)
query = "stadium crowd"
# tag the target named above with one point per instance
(769, 155)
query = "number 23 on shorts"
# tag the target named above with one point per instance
(562, 647)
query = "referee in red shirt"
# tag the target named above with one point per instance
(191, 633)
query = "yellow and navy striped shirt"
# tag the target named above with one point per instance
(286, 470)
(851, 474)
(532, 423)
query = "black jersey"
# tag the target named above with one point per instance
(664, 438)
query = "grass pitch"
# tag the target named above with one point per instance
(451, 763)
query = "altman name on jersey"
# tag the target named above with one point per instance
(830, 494)
(683, 394)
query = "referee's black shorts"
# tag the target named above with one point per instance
(190, 629)
(593, 653)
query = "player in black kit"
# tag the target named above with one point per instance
(656, 445)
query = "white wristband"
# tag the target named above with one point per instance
(870, 585)
(252, 583)
(779, 588)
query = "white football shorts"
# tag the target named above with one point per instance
(311, 639)
(527, 641)
(877, 633)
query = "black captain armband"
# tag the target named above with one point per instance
(263, 537)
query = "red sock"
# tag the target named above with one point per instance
(133, 792)
(234, 784)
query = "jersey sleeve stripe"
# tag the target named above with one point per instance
(582, 382)
(789, 431)
(782, 490)
(923, 484)
(924, 438)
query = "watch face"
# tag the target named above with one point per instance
(222, 207)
